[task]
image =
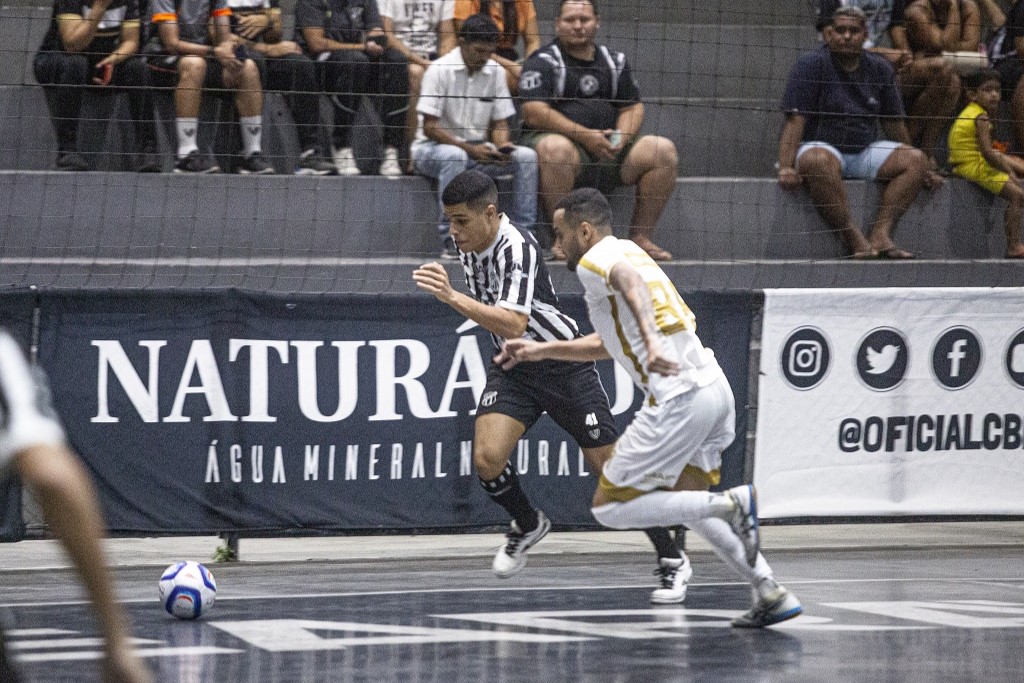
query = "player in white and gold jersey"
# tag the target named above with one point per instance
(667, 458)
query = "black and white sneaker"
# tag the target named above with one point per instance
(511, 557)
(71, 161)
(310, 163)
(743, 519)
(195, 162)
(673, 574)
(255, 164)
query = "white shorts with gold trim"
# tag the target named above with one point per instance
(689, 430)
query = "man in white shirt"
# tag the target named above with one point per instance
(666, 459)
(464, 109)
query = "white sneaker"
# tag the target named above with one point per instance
(674, 575)
(511, 557)
(345, 161)
(777, 606)
(743, 520)
(390, 167)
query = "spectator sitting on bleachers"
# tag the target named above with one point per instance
(923, 80)
(835, 99)
(465, 107)
(346, 37)
(515, 19)
(1008, 59)
(949, 31)
(422, 31)
(284, 69)
(582, 113)
(181, 55)
(973, 157)
(94, 45)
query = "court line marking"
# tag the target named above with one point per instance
(488, 589)
(87, 655)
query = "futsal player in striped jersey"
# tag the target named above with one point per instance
(511, 296)
(666, 459)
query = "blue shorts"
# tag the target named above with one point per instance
(863, 165)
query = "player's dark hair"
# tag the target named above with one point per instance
(479, 28)
(980, 77)
(593, 3)
(587, 204)
(472, 188)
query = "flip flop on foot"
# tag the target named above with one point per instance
(864, 255)
(894, 253)
(1017, 253)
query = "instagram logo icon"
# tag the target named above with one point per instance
(805, 358)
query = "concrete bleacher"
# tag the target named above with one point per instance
(726, 233)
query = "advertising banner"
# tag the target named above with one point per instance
(16, 308)
(219, 411)
(891, 402)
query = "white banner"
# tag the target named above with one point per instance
(891, 402)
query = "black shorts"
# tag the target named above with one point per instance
(163, 72)
(571, 393)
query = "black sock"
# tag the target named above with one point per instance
(663, 542)
(506, 492)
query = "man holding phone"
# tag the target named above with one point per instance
(346, 38)
(464, 108)
(94, 44)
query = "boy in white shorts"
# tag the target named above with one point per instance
(670, 454)
(32, 445)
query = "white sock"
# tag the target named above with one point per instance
(188, 133)
(663, 508)
(252, 134)
(728, 546)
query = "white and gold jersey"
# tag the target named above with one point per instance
(620, 333)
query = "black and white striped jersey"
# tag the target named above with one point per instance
(511, 274)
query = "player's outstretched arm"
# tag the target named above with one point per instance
(433, 278)
(516, 351)
(625, 279)
(72, 511)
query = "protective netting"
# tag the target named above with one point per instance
(710, 75)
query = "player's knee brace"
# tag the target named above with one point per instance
(610, 515)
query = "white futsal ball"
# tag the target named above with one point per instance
(187, 590)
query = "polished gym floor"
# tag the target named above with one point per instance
(889, 614)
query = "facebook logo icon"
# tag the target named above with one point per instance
(956, 357)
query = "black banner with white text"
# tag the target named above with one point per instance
(204, 412)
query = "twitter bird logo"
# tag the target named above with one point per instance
(883, 357)
(881, 361)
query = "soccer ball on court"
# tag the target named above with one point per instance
(187, 590)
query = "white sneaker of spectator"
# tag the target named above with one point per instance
(345, 161)
(390, 168)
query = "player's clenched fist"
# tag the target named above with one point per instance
(433, 278)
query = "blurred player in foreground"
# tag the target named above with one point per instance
(32, 445)
(671, 453)
(512, 297)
